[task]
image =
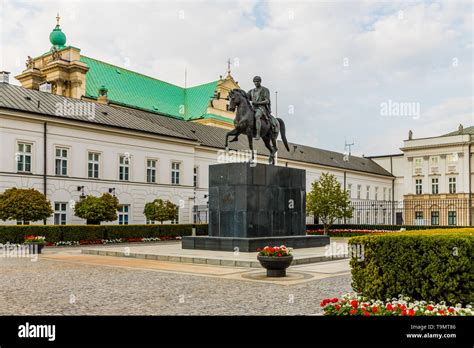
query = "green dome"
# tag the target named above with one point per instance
(57, 37)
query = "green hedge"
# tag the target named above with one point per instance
(56, 233)
(424, 265)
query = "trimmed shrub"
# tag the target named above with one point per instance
(57, 233)
(425, 265)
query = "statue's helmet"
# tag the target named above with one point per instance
(257, 78)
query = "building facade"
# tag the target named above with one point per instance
(433, 178)
(79, 126)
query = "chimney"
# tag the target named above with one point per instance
(4, 77)
(102, 97)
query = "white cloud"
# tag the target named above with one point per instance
(299, 50)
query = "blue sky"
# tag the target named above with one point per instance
(333, 63)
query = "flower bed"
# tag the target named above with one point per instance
(402, 306)
(347, 232)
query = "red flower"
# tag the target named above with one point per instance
(334, 300)
(352, 311)
(354, 303)
(451, 309)
(441, 311)
(258, 249)
(375, 309)
(367, 314)
(404, 312)
(279, 254)
(389, 307)
(430, 307)
(338, 307)
(363, 308)
(411, 312)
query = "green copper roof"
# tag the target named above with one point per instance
(132, 89)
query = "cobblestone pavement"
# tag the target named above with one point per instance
(55, 287)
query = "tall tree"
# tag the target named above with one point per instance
(328, 201)
(97, 209)
(160, 210)
(24, 205)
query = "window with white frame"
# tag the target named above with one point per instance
(452, 218)
(23, 157)
(93, 165)
(389, 194)
(359, 188)
(418, 186)
(349, 190)
(151, 171)
(419, 217)
(175, 173)
(435, 186)
(124, 168)
(123, 214)
(195, 176)
(435, 217)
(418, 162)
(367, 192)
(60, 159)
(60, 213)
(452, 185)
(376, 193)
(384, 193)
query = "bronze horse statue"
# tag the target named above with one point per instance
(244, 123)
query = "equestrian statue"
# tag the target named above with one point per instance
(254, 118)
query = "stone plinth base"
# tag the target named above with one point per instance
(251, 244)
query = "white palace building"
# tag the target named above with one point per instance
(80, 126)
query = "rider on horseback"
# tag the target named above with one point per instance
(260, 98)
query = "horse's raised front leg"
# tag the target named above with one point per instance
(235, 132)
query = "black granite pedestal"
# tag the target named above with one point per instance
(251, 207)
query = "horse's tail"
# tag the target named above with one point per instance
(283, 133)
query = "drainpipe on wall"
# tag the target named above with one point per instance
(44, 163)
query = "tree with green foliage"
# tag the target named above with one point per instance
(24, 205)
(97, 209)
(328, 201)
(160, 210)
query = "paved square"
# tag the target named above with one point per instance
(65, 282)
